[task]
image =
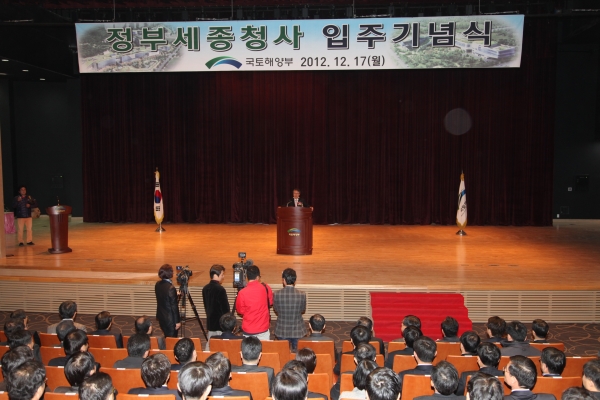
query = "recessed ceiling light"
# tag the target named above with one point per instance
(25, 70)
(4, 59)
(42, 79)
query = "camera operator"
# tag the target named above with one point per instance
(253, 303)
(167, 310)
(215, 300)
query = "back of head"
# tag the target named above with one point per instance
(383, 384)
(497, 326)
(317, 322)
(360, 334)
(64, 328)
(155, 370)
(450, 326)
(298, 367)
(591, 372)
(364, 351)
(97, 387)
(138, 345)
(484, 387)
(252, 272)
(103, 320)
(554, 359)
(307, 357)
(489, 354)
(425, 348)
(165, 271)
(194, 379)
(540, 327)
(184, 350)
(79, 366)
(15, 357)
(517, 331)
(216, 270)
(227, 322)
(470, 340)
(20, 313)
(289, 385)
(411, 333)
(366, 322)
(24, 381)
(576, 393)
(220, 367)
(412, 320)
(143, 324)
(251, 348)
(67, 309)
(74, 341)
(13, 325)
(362, 371)
(523, 370)
(289, 276)
(445, 378)
(20, 338)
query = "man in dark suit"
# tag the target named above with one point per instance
(444, 378)
(488, 358)
(485, 387)
(216, 303)
(300, 369)
(316, 325)
(409, 320)
(23, 337)
(20, 314)
(289, 304)
(67, 311)
(520, 375)
(251, 353)
(552, 362)
(410, 334)
(221, 373)
(591, 377)
(425, 351)
(368, 323)
(228, 323)
(194, 381)
(364, 351)
(383, 384)
(103, 325)
(12, 359)
(74, 342)
(450, 330)
(167, 310)
(79, 366)
(27, 381)
(539, 331)
(359, 334)
(296, 200)
(289, 385)
(515, 343)
(138, 348)
(495, 329)
(156, 371)
(143, 324)
(185, 352)
(469, 341)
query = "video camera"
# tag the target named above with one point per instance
(240, 279)
(183, 274)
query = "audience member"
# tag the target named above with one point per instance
(74, 342)
(488, 358)
(12, 359)
(450, 330)
(27, 381)
(138, 348)
(444, 379)
(576, 393)
(552, 362)
(495, 329)
(359, 380)
(22, 337)
(469, 341)
(539, 331)
(484, 387)
(63, 329)
(156, 370)
(425, 351)
(591, 377)
(359, 334)
(221, 373)
(228, 323)
(300, 368)
(194, 381)
(515, 344)
(216, 303)
(251, 353)
(383, 384)
(79, 366)
(253, 302)
(67, 311)
(11, 326)
(289, 304)
(307, 357)
(21, 314)
(368, 323)
(520, 375)
(364, 351)
(316, 325)
(97, 387)
(409, 320)
(289, 385)
(143, 324)
(411, 333)
(103, 325)
(185, 352)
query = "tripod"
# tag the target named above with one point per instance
(185, 295)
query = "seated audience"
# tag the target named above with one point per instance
(27, 381)
(552, 362)
(307, 357)
(591, 377)
(520, 375)
(251, 353)
(79, 367)
(316, 325)
(289, 385)
(228, 323)
(576, 393)
(469, 341)
(449, 330)
(409, 320)
(488, 358)
(495, 329)
(156, 370)
(194, 381)
(74, 342)
(425, 351)
(515, 343)
(359, 380)
(22, 337)
(63, 329)
(411, 333)
(364, 351)
(484, 387)
(185, 352)
(384, 384)
(103, 325)
(97, 387)
(444, 379)
(67, 311)
(143, 324)
(12, 359)
(539, 331)
(221, 374)
(138, 348)
(358, 334)
(368, 323)
(300, 368)
(11, 326)
(20, 314)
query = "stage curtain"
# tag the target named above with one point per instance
(364, 147)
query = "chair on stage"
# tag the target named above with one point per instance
(348, 346)
(403, 363)
(319, 383)
(56, 377)
(555, 385)
(346, 383)
(169, 353)
(61, 396)
(125, 379)
(445, 349)
(574, 366)
(108, 357)
(415, 386)
(541, 346)
(463, 363)
(102, 341)
(395, 346)
(325, 365)
(318, 346)
(505, 359)
(281, 347)
(256, 383)
(48, 353)
(348, 363)
(49, 339)
(153, 342)
(145, 396)
(270, 360)
(231, 347)
(170, 343)
(203, 355)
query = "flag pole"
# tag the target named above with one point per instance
(461, 212)
(158, 202)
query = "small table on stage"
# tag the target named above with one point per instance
(9, 222)
(294, 230)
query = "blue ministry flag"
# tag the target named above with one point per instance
(158, 200)
(461, 213)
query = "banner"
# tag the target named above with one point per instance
(158, 200)
(461, 213)
(487, 41)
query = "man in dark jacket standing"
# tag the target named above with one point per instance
(22, 205)
(215, 300)
(167, 310)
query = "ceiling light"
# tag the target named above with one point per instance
(25, 70)
(42, 79)
(4, 59)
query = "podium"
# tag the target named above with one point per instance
(294, 231)
(59, 229)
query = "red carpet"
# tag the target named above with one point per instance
(388, 310)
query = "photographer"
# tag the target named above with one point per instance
(167, 310)
(253, 303)
(215, 300)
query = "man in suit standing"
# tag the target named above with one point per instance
(520, 375)
(296, 200)
(289, 304)
(215, 300)
(167, 310)
(156, 371)
(425, 351)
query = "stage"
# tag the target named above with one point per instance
(517, 272)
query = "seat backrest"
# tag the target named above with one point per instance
(415, 386)
(463, 363)
(3, 350)
(232, 347)
(108, 357)
(348, 363)
(445, 349)
(102, 341)
(170, 343)
(574, 366)
(203, 355)
(61, 396)
(3, 395)
(125, 379)
(270, 360)
(348, 346)
(505, 387)
(346, 383)
(541, 346)
(319, 383)
(505, 359)
(153, 342)
(281, 347)
(325, 365)
(146, 397)
(234, 398)
(318, 346)
(56, 377)
(2, 337)
(48, 353)
(555, 385)
(173, 379)
(48, 339)
(395, 346)
(256, 383)
(403, 363)
(169, 353)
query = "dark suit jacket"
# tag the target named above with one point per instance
(228, 335)
(52, 328)
(596, 395)
(167, 310)
(227, 391)
(528, 395)
(129, 363)
(291, 203)
(312, 395)
(423, 369)
(450, 339)
(289, 303)
(381, 344)
(104, 332)
(154, 391)
(494, 339)
(338, 364)
(319, 337)
(58, 362)
(254, 368)
(66, 389)
(518, 349)
(216, 304)
(462, 382)
(389, 361)
(438, 396)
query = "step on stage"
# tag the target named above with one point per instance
(516, 272)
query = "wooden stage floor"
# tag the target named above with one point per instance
(565, 257)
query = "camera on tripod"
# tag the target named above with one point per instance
(239, 271)
(183, 274)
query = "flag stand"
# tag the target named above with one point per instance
(461, 233)
(161, 229)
